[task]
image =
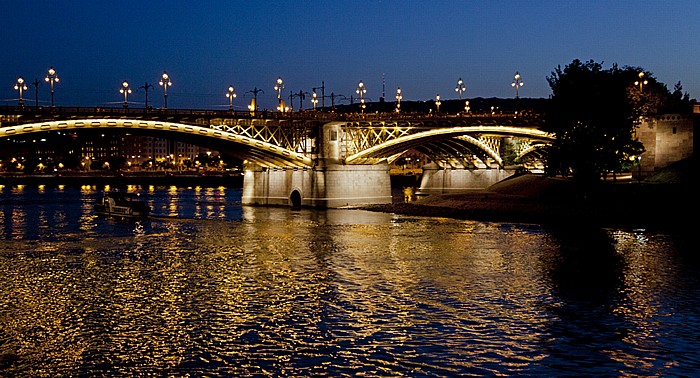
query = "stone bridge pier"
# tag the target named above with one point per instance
(327, 184)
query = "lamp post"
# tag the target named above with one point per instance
(231, 95)
(398, 99)
(641, 82)
(361, 90)
(165, 82)
(437, 103)
(323, 94)
(314, 98)
(279, 85)
(460, 88)
(517, 82)
(466, 107)
(125, 90)
(21, 86)
(52, 78)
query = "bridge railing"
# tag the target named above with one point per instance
(72, 111)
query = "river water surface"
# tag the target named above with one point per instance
(207, 287)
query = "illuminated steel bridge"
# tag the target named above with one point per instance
(314, 141)
(292, 139)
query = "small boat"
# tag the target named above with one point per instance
(122, 205)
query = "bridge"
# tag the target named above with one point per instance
(315, 158)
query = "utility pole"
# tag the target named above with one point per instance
(333, 96)
(255, 92)
(145, 87)
(35, 83)
(302, 96)
(323, 93)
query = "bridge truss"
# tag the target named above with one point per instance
(277, 139)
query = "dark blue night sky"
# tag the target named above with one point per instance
(424, 47)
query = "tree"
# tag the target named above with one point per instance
(594, 113)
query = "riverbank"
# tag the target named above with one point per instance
(538, 199)
(125, 179)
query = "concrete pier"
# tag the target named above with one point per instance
(437, 180)
(328, 184)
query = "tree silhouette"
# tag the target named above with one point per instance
(594, 113)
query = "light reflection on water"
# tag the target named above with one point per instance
(207, 287)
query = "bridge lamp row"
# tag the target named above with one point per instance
(21, 85)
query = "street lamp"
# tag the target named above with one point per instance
(125, 90)
(437, 103)
(165, 83)
(398, 99)
(642, 81)
(517, 82)
(460, 87)
(314, 98)
(231, 95)
(361, 90)
(466, 107)
(51, 78)
(21, 86)
(278, 87)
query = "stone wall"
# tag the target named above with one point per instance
(667, 139)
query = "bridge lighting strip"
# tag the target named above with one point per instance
(265, 149)
(450, 132)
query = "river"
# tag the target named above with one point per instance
(206, 287)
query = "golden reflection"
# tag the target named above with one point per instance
(41, 188)
(61, 188)
(644, 280)
(173, 199)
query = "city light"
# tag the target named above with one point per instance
(51, 78)
(165, 82)
(438, 102)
